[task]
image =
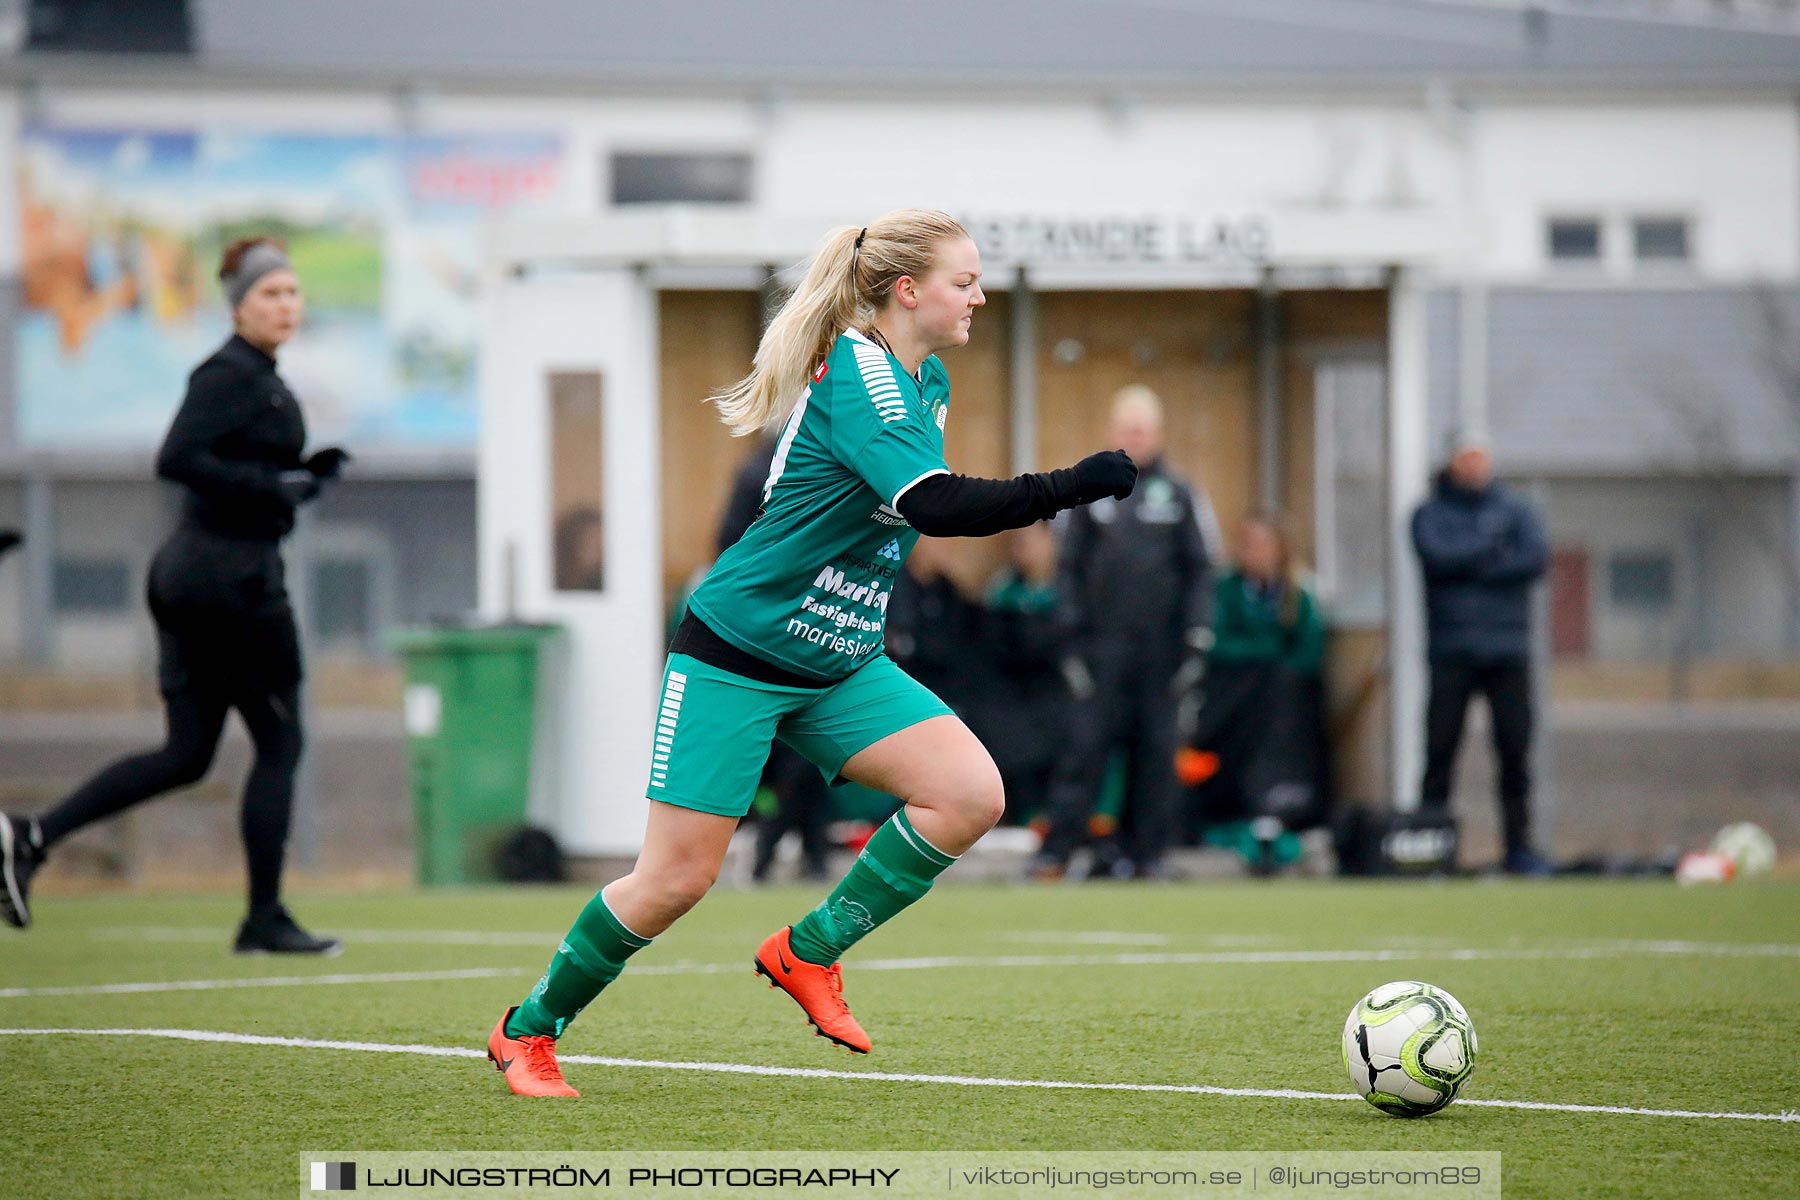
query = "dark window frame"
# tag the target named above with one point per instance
(1559, 227)
(327, 606)
(1641, 582)
(91, 585)
(1662, 222)
(129, 27)
(712, 177)
(576, 475)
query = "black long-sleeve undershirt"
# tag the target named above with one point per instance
(966, 506)
(237, 430)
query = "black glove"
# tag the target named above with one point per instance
(297, 487)
(1108, 473)
(9, 538)
(329, 462)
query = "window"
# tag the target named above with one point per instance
(577, 438)
(343, 589)
(91, 586)
(1574, 239)
(1660, 239)
(1349, 461)
(681, 178)
(110, 26)
(1642, 582)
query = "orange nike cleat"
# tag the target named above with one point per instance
(819, 991)
(529, 1063)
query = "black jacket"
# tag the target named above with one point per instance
(1136, 567)
(745, 502)
(1024, 699)
(1481, 552)
(238, 429)
(935, 634)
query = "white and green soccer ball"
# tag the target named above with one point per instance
(1409, 1047)
(1748, 846)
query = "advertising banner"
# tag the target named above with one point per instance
(121, 242)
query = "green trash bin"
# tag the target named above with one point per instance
(471, 710)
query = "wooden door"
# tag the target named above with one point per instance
(1196, 350)
(707, 342)
(978, 434)
(1571, 602)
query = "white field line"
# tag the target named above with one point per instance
(260, 981)
(1421, 954)
(1617, 950)
(482, 937)
(400, 937)
(1399, 948)
(1095, 937)
(472, 937)
(247, 1039)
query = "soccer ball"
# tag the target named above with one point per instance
(1748, 846)
(1409, 1047)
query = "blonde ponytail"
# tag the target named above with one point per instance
(850, 279)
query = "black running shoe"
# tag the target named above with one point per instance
(276, 932)
(21, 851)
(1523, 860)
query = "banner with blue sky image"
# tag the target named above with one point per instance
(122, 232)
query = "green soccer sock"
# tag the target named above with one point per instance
(589, 958)
(894, 869)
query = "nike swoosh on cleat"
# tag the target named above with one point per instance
(503, 1063)
(782, 959)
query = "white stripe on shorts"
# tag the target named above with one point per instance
(667, 718)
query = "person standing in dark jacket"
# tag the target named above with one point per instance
(1135, 593)
(1481, 548)
(226, 637)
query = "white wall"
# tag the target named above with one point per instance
(1733, 168)
(595, 761)
(110, 521)
(1730, 593)
(1731, 164)
(1073, 158)
(10, 116)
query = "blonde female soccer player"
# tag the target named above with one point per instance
(783, 638)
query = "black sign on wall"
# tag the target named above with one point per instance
(1026, 237)
(110, 26)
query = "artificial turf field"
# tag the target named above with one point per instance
(1634, 994)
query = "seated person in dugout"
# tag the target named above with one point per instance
(1258, 744)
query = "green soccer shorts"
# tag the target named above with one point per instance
(713, 727)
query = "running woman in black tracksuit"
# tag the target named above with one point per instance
(225, 631)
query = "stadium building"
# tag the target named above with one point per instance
(1329, 234)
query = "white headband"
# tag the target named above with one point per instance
(258, 261)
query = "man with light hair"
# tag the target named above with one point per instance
(1135, 580)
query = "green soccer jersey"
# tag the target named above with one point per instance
(807, 587)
